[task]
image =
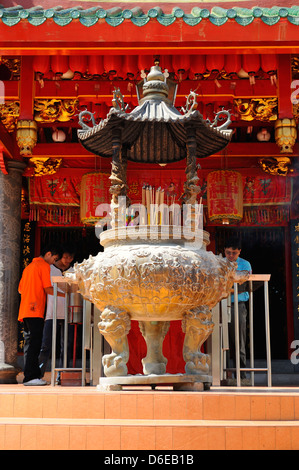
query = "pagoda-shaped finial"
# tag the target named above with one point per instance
(155, 85)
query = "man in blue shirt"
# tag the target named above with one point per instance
(232, 250)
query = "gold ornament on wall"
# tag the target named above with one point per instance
(278, 166)
(285, 134)
(296, 111)
(45, 165)
(26, 136)
(261, 109)
(13, 64)
(44, 111)
(54, 110)
(9, 114)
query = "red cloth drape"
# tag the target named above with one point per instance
(172, 349)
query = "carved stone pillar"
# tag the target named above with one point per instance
(10, 237)
(118, 179)
(191, 188)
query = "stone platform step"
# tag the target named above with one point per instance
(250, 404)
(84, 418)
(167, 435)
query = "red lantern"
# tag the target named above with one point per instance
(181, 65)
(41, 64)
(215, 63)
(232, 64)
(269, 63)
(166, 63)
(197, 66)
(78, 64)
(131, 66)
(225, 196)
(95, 65)
(93, 192)
(59, 64)
(251, 64)
(144, 63)
(113, 65)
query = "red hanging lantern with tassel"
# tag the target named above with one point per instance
(95, 65)
(225, 196)
(181, 65)
(144, 64)
(131, 66)
(166, 63)
(215, 64)
(59, 64)
(197, 67)
(269, 65)
(78, 64)
(232, 65)
(251, 64)
(41, 64)
(113, 65)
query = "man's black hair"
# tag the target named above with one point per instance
(233, 242)
(68, 248)
(52, 248)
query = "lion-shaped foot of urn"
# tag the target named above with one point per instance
(115, 325)
(197, 325)
(154, 333)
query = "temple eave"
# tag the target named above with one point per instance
(137, 128)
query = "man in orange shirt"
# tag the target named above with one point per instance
(34, 286)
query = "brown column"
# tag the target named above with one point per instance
(10, 235)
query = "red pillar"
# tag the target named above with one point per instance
(284, 72)
(27, 88)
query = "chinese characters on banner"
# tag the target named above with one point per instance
(56, 199)
(225, 195)
(27, 254)
(94, 191)
(295, 273)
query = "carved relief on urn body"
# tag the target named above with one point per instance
(154, 281)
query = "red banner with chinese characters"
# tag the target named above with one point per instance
(225, 195)
(94, 191)
(258, 188)
(266, 189)
(55, 190)
(59, 194)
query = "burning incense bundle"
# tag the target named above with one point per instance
(148, 203)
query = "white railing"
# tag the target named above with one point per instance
(87, 332)
(220, 336)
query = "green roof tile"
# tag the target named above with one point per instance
(115, 16)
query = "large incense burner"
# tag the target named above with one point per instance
(154, 282)
(155, 272)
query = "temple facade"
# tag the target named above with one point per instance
(57, 61)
